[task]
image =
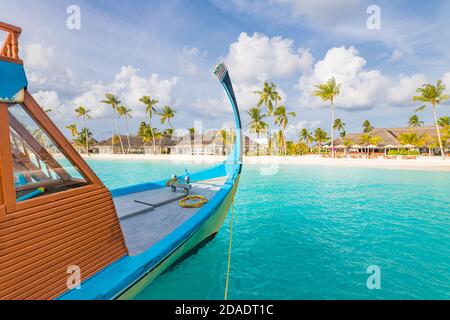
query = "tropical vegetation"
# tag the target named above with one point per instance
(433, 95)
(328, 92)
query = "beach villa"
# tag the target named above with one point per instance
(390, 139)
(211, 142)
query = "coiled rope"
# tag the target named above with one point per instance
(229, 250)
(186, 202)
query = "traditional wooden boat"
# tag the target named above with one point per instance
(58, 221)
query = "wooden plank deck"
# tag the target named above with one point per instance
(143, 230)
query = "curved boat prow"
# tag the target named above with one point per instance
(236, 157)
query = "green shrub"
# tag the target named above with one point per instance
(404, 152)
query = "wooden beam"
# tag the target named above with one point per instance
(6, 163)
(9, 27)
(37, 148)
(66, 147)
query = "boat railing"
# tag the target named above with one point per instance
(10, 49)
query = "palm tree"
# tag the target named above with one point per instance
(444, 122)
(347, 144)
(169, 131)
(417, 140)
(114, 101)
(148, 134)
(83, 137)
(327, 92)
(122, 111)
(339, 125)
(433, 95)
(269, 97)
(192, 135)
(367, 139)
(257, 125)
(306, 136)
(167, 114)
(227, 138)
(150, 110)
(73, 130)
(321, 137)
(282, 118)
(158, 135)
(84, 113)
(415, 122)
(367, 126)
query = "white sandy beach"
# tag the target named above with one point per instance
(421, 163)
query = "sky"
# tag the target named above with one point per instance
(168, 49)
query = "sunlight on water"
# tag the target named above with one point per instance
(311, 232)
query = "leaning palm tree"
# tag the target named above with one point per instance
(73, 130)
(269, 97)
(257, 125)
(433, 95)
(150, 110)
(367, 126)
(122, 111)
(414, 122)
(167, 114)
(328, 92)
(282, 119)
(114, 101)
(83, 112)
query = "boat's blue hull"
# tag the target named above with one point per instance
(206, 232)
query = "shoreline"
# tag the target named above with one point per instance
(421, 163)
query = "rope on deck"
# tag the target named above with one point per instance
(229, 250)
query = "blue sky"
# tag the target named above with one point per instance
(167, 49)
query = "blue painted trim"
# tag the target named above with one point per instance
(214, 172)
(12, 80)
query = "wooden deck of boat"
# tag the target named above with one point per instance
(143, 230)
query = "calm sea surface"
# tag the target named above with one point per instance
(311, 232)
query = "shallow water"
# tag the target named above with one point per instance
(311, 233)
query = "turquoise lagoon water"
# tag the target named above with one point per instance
(311, 232)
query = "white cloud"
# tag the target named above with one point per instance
(360, 87)
(397, 54)
(247, 98)
(47, 99)
(190, 59)
(446, 81)
(258, 58)
(293, 130)
(128, 85)
(320, 10)
(404, 90)
(43, 67)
